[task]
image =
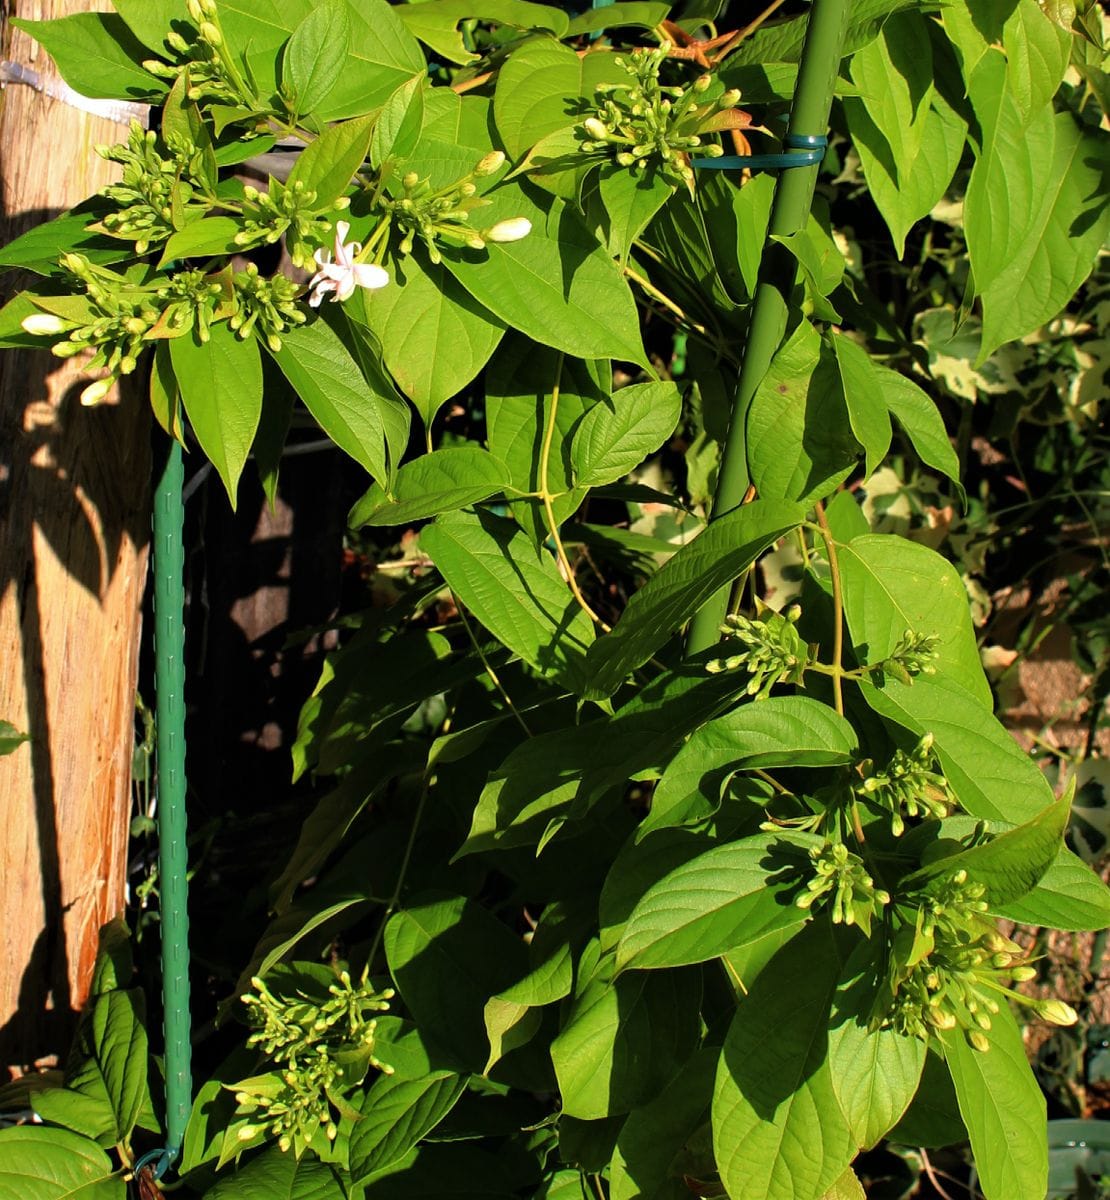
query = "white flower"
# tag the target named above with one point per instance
(511, 230)
(342, 275)
(43, 324)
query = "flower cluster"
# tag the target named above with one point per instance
(843, 876)
(291, 210)
(772, 650)
(443, 215)
(156, 175)
(908, 786)
(644, 123)
(202, 54)
(913, 655)
(948, 968)
(321, 1035)
(341, 274)
(191, 301)
(266, 305)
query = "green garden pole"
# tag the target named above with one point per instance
(809, 118)
(169, 671)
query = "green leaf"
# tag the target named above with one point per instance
(277, 1176)
(313, 59)
(516, 592)
(623, 1040)
(847, 1187)
(357, 418)
(509, 1025)
(1003, 1109)
(990, 774)
(653, 1148)
(55, 1164)
(863, 395)
(436, 22)
(635, 14)
(435, 337)
(397, 128)
(714, 558)
(151, 20)
(781, 731)
(921, 422)
(1069, 896)
(97, 55)
(875, 1074)
(328, 163)
(438, 938)
(630, 199)
(724, 898)
(112, 1045)
(199, 239)
(1035, 213)
(551, 284)
(1037, 54)
(11, 739)
(616, 435)
(221, 388)
(396, 1114)
(778, 1131)
(892, 585)
(933, 1118)
(1011, 864)
(39, 249)
(800, 394)
(88, 1113)
(541, 88)
(434, 483)
(736, 220)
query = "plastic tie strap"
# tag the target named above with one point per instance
(802, 150)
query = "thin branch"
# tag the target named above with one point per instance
(493, 676)
(838, 608)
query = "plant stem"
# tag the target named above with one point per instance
(777, 273)
(493, 676)
(667, 303)
(838, 610)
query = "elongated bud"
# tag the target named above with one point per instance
(596, 129)
(730, 98)
(1023, 974)
(511, 230)
(493, 161)
(978, 1041)
(1056, 1012)
(96, 392)
(43, 324)
(702, 82)
(196, 13)
(210, 33)
(207, 7)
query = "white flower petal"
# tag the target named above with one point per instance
(369, 275)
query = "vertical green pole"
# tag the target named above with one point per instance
(777, 272)
(169, 669)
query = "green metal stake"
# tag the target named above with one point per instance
(777, 273)
(169, 670)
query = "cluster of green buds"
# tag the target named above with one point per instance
(266, 305)
(291, 210)
(842, 876)
(910, 785)
(157, 176)
(203, 54)
(442, 216)
(949, 968)
(913, 655)
(322, 1042)
(644, 123)
(191, 301)
(772, 650)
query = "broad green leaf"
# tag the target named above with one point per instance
(724, 898)
(1011, 864)
(328, 163)
(313, 59)
(778, 1131)
(541, 88)
(863, 395)
(921, 422)
(151, 20)
(990, 774)
(700, 568)
(893, 586)
(636, 14)
(618, 434)
(800, 393)
(438, 938)
(397, 127)
(54, 1164)
(509, 1025)
(822, 267)
(553, 283)
(1069, 896)
(623, 1040)
(396, 1114)
(781, 731)
(653, 1153)
(113, 1048)
(1003, 1109)
(433, 483)
(210, 235)
(1035, 213)
(39, 249)
(277, 1176)
(550, 958)
(514, 590)
(221, 389)
(1037, 54)
(97, 55)
(435, 337)
(326, 377)
(630, 199)
(436, 22)
(736, 220)
(11, 738)
(875, 1074)
(933, 1117)
(87, 1112)
(847, 1187)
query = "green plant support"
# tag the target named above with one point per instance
(169, 668)
(777, 273)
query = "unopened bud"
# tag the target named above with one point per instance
(210, 33)
(978, 1041)
(491, 162)
(702, 82)
(596, 129)
(510, 230)
(1056, 1012)
(43, 324)
(96, 392)
(730, 98)
(1023, 974)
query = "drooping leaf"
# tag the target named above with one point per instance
(921, 422)
(437, 23)
(616, 435)
(275, 1175)
(863, 395)
(875, 1074)
(442, 481)
(1069, 895)
(636, 14)
(54, 1164)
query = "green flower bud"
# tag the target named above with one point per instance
(43, 324)
(210, 33)
(978, 1041)
(95, 392)
(489, 163)
(1056, 1012)
(511, 230)
(596, 129)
